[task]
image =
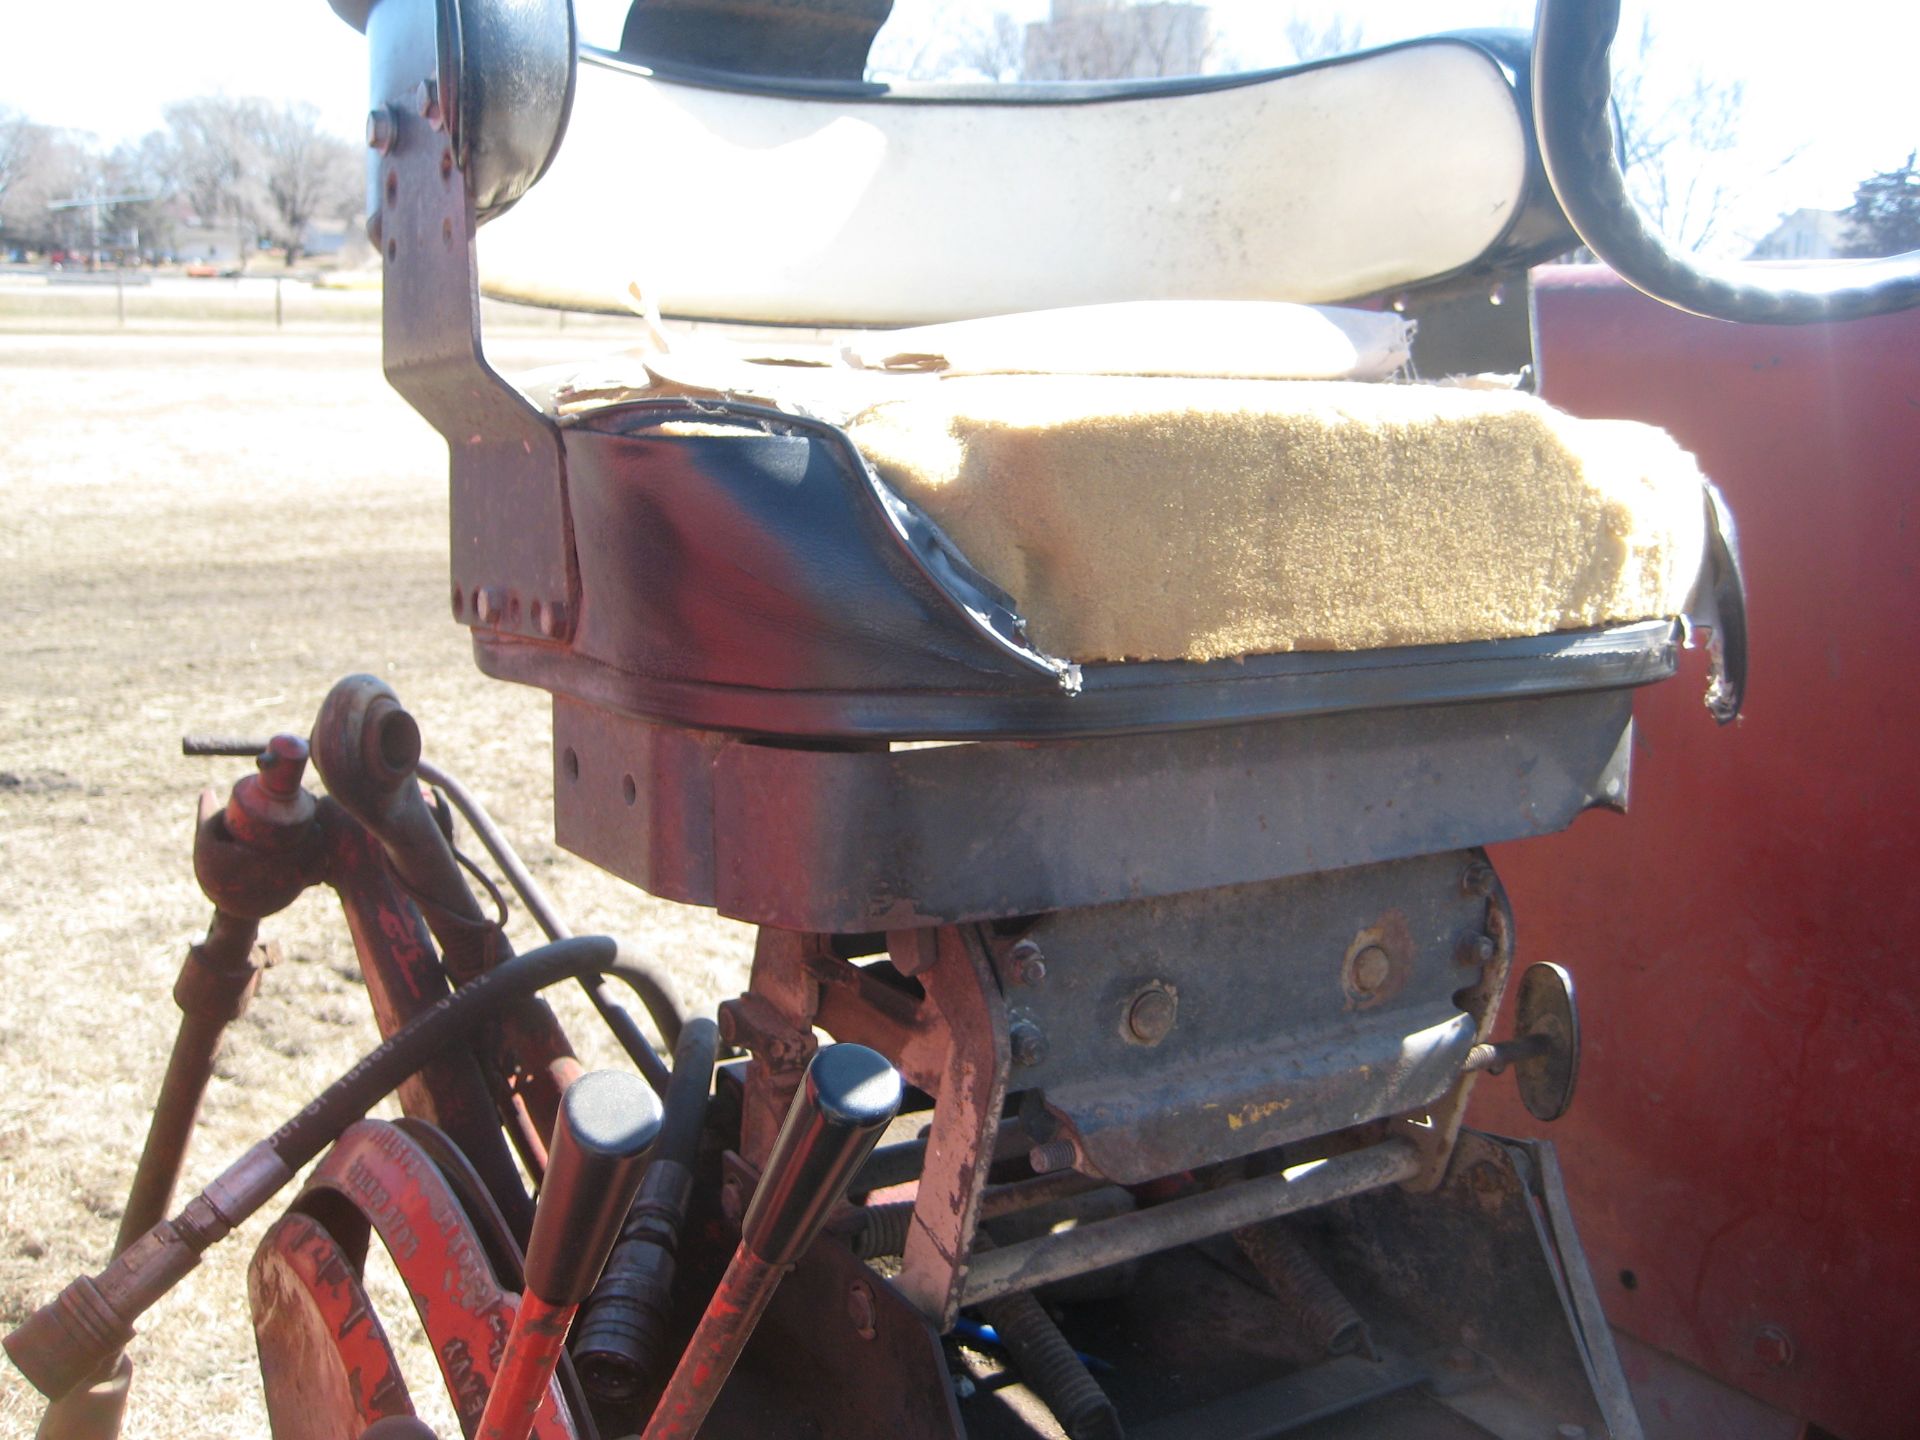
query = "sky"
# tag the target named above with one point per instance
(1831, 90)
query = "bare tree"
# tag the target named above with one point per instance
(20, 141)
(213, 160)
(1309, 41)
(1092, 40)
(44, 165)
(1676, 139)
(995, 49)
(306, 173)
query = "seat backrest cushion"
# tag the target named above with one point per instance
(1324, 183)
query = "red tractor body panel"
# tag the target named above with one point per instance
(1744, 1156)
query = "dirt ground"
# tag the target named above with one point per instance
(202, 533)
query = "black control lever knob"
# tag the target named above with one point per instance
(606, 1125)
(844, 1103)
(849, 1095)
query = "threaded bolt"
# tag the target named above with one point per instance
(1060, 1154)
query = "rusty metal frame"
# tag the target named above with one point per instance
(512, 554)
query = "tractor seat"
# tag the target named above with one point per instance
(1196, 517)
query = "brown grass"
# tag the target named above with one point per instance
(203, 533)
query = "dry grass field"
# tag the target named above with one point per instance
(203, 532)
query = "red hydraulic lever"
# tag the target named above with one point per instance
(606, 1123)
(846, 1100)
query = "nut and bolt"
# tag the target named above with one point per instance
(1477, 879)
(489, 606)
(1025, 964)
(1481, 950)
(860, 1309)
(1061, 1154)
(1028, 1043)
(550, 616)
(1371, 969)
(1151, 1014)
(383, 130)
(1773, 1347)
(426, 101)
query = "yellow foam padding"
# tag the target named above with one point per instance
(1178, 519)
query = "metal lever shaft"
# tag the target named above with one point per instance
(606, 1123)
(846, 1100)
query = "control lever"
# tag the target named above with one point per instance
(844, 1103)
(1545, 1049)
(606, 1123)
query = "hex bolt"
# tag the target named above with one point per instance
(489, 607)
(1025, 964)
(383, 130)
(1773, 1347)
(1151, 1014)
(1482, 950)
(1477, 879)
(551, 617)
(426, 100)
(1371, 969)
(1028, 1044)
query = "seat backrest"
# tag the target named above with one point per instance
(739, 199)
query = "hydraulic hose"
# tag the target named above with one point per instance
(1572, 106)
(63, 1342)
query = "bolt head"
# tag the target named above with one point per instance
(1483, 950)
(489, 606)
(1477, 879)
(1028, 1043)
(383, 130)
(551, 617)
(1151, 1014)
(426, 101)
(1025, 965)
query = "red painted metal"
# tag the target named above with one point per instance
(1744, 1156)
(526, 1372)
(325, 1364)
(466, 1313)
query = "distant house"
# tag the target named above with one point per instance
(1805, 235)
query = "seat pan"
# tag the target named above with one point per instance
(1135, 518)
(1188, 518)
